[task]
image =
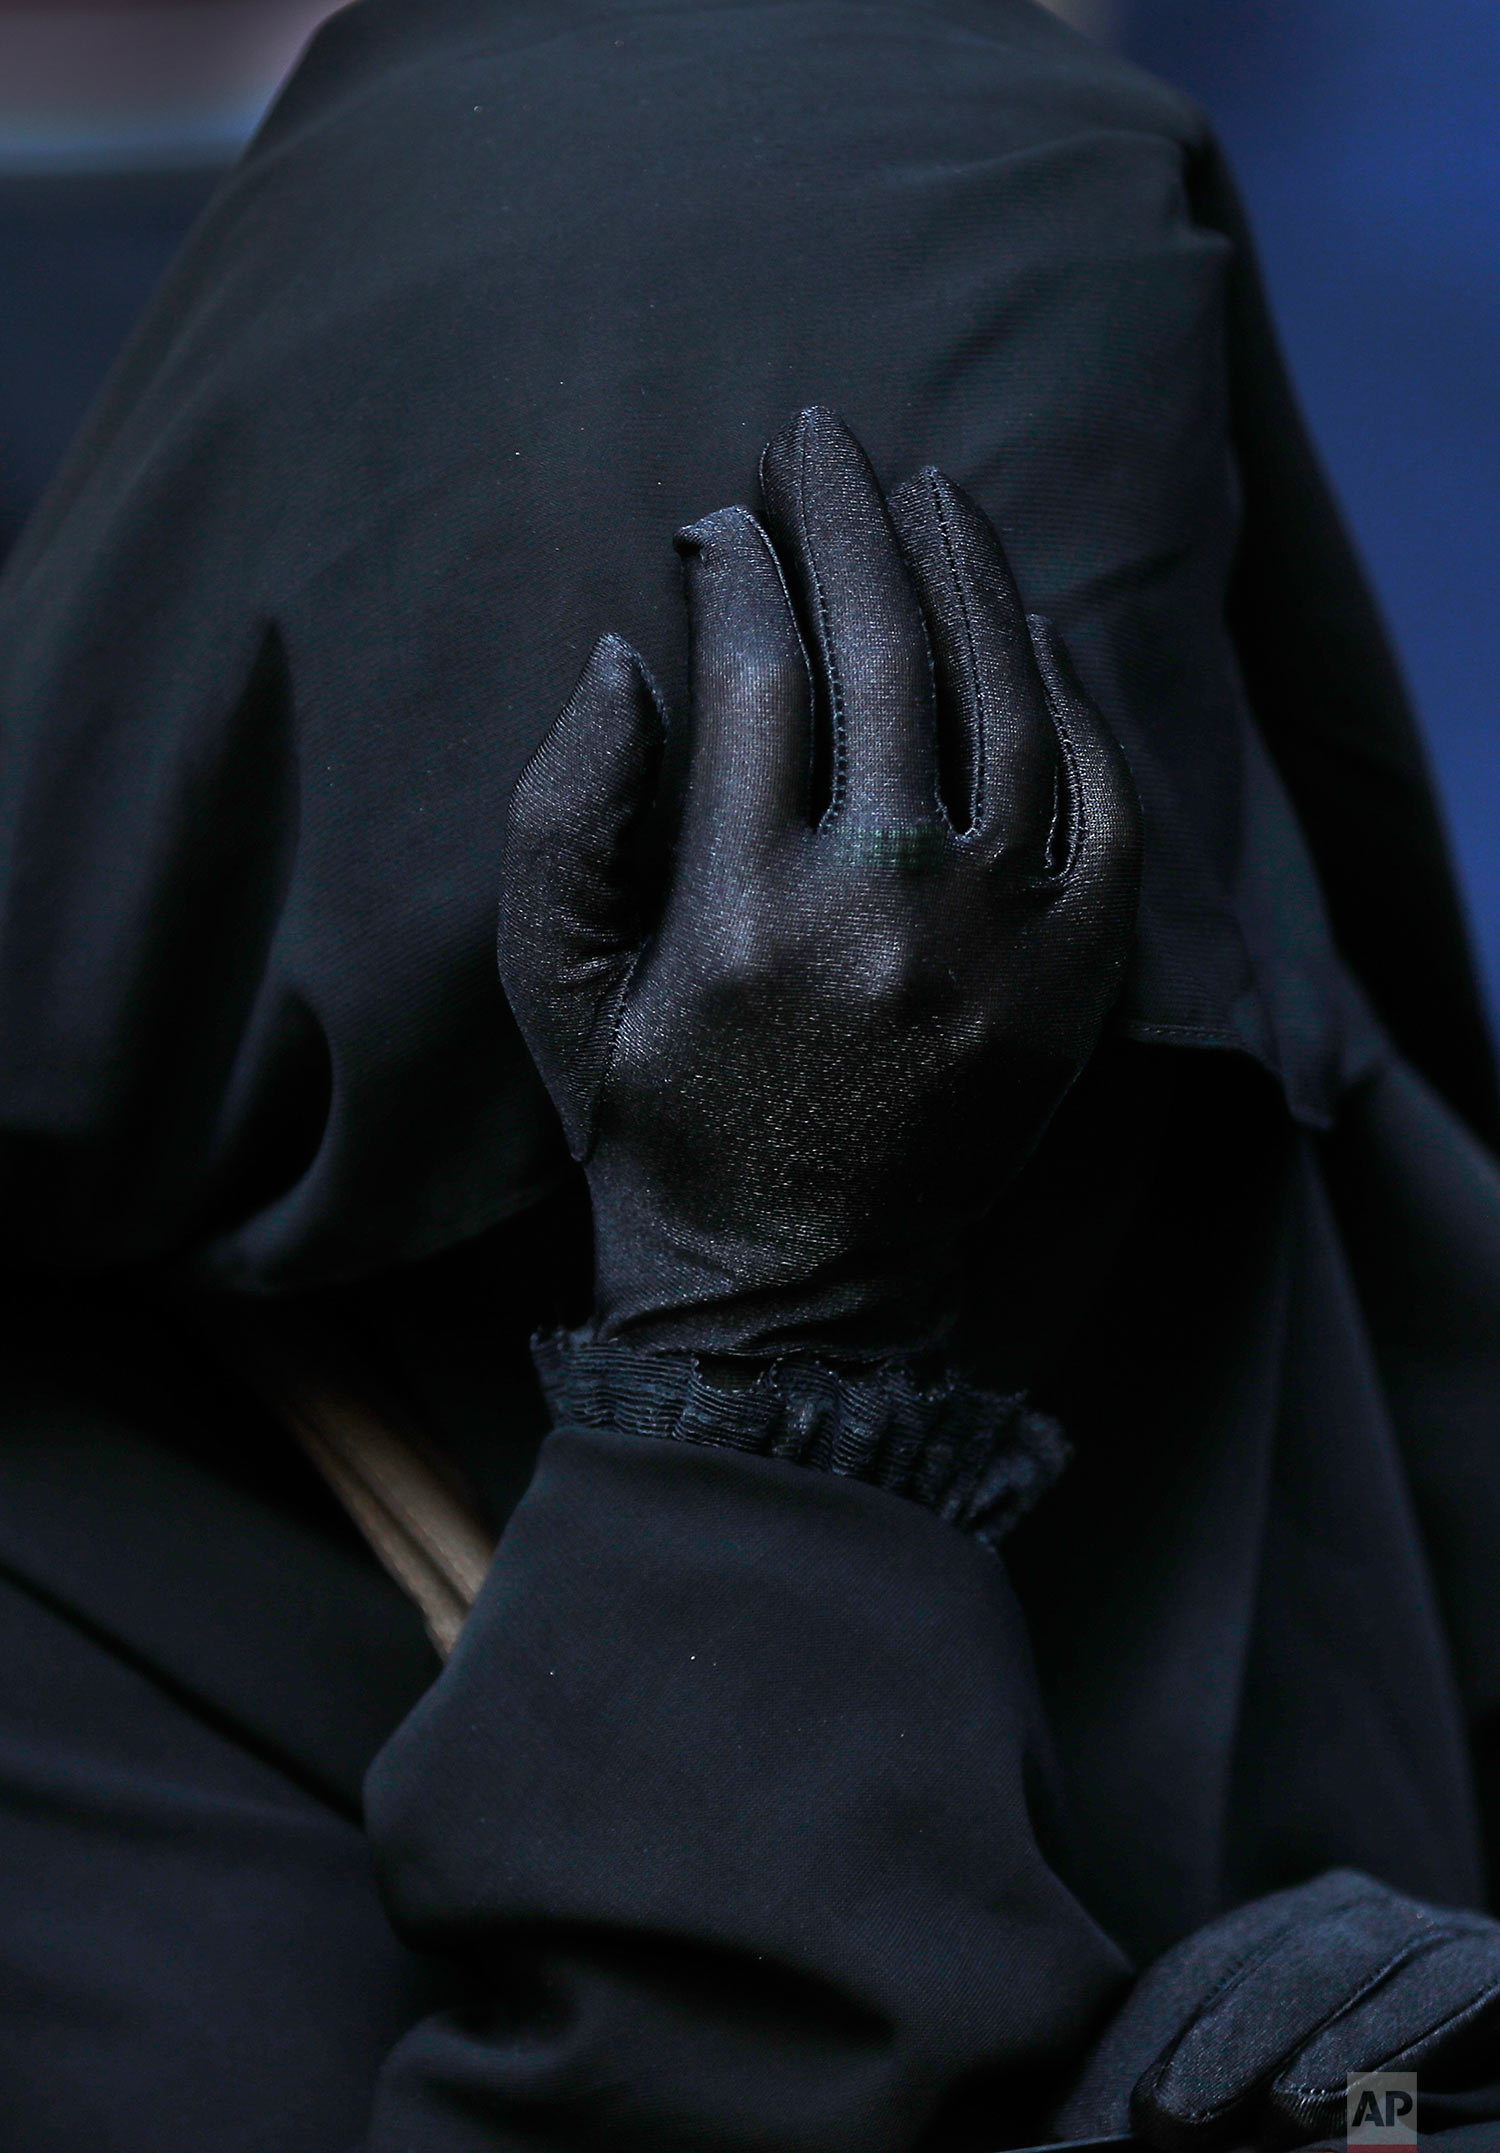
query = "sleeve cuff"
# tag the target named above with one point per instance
(978, 1460)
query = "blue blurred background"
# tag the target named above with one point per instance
(1366, 134)
(116, 121)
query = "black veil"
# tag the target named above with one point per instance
(499, 298)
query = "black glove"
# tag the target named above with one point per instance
(1244, 2033)
(851, 1016)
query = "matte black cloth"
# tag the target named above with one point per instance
(849, 1940)
(497, 302)
(79, 255)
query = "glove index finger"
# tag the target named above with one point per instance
(570, 917)
(750, 742)
(997, 745)
(864, 627)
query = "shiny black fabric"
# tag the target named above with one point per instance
(800, 1074)
(400, 440)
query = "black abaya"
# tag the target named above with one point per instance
(755, 1804)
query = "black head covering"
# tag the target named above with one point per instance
(499, 298)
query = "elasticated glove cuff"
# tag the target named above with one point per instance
(980, 1461)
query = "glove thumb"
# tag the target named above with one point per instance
(570, 924)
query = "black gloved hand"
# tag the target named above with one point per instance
(1243, 2033)
(855, 1012)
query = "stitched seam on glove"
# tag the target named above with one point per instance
(838, 773)
(1063, 794)
(1416, 2052)
(1296, 2093)
(971, 653)
(1147, 2088)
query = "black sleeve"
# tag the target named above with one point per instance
(725, 1812)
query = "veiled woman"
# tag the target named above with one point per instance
(1001, 1638)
